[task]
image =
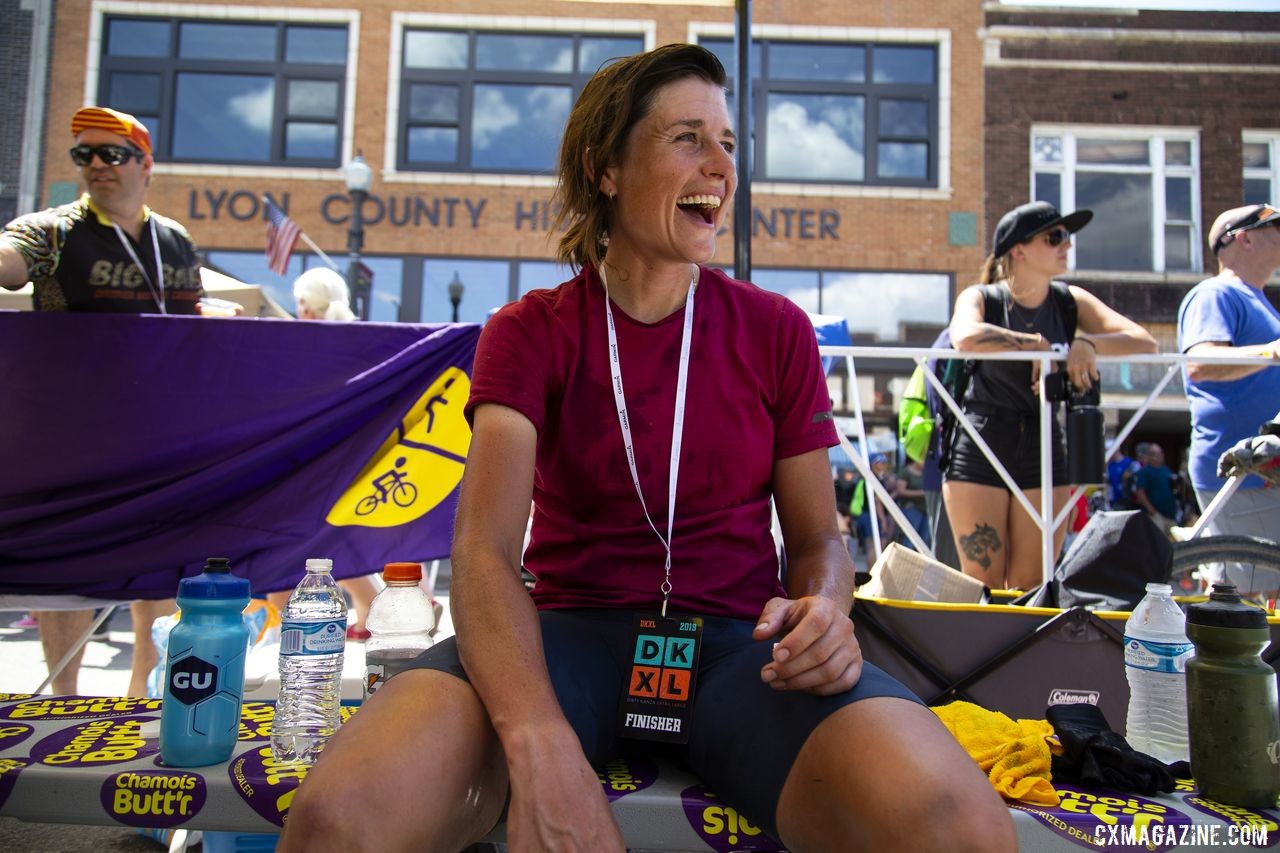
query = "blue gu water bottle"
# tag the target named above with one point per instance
(204, 676)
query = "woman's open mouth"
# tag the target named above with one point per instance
(702, 206)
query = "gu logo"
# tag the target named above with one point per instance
(662, 667)
(192, 679)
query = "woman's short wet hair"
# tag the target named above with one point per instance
(617, 98)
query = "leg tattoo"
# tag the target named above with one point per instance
(978, 545)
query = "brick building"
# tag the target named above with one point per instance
(1156, 120)
(868, 175)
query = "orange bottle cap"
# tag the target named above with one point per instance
(402, 572)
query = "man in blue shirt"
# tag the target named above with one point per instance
(1153, 489)
(1228, 315)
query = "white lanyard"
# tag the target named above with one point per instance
(156, 294)
(677, 427)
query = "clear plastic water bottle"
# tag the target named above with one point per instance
(204, 674)
(1156, 650)
(400, 620)
(313, 634)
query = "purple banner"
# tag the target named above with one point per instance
(133, 447)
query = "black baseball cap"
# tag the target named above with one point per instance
(1238, 219)
(1027, 220)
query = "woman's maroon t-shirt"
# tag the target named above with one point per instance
(756, 394)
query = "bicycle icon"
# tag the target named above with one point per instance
(391, 485)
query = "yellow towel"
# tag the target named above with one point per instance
(1015, 755)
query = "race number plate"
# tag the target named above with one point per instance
(659, 693)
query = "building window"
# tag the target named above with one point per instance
(384, 306)
(1142, 186)
(908, 306)
(842, 113)
(1261, 163)
(231, 92)
(492, 101)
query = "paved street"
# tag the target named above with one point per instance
(105, 671)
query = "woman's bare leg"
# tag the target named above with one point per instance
(418, 768)
(885, 774)
(980, 524)
(1025, 559)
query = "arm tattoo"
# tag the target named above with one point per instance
(979, 545)
(1003, 338)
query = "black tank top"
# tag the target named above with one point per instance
(1007, 384)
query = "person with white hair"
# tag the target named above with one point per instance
(321, 294)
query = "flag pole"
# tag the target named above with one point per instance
(328, 260)
(303, 235)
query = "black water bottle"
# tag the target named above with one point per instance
(1086, 444)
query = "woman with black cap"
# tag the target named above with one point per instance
(1019, 307)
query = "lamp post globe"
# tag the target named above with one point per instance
(456, 289)
(359, 177)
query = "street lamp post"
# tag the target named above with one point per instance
(455, 294)
(359, 177)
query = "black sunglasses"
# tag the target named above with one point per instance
(1057, 237)
(111, 155)
(1262, 222)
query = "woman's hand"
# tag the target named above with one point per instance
(817, 651)
(1082, 364)
(557, 803)
(1040, 344)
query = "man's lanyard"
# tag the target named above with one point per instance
(677, 427)
(156, 293)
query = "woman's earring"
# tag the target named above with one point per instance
(604, 239)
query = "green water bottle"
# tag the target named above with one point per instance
(1232, 710)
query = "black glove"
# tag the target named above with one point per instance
(1095, 756)
(1259, 455)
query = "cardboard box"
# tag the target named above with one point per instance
(910, 576)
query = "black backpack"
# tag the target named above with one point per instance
(955, 373)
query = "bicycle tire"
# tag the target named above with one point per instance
(1253, 550)
(409, 490)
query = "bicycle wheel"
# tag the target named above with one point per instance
(404, 494)
(1250, 550)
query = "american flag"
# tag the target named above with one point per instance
(282, 234)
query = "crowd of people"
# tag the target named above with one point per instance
(641, 526)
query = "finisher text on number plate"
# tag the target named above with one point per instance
(664, 669)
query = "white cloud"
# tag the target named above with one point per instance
(800, 147)
(254, 108)
(879, 302)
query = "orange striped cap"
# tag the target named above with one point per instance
(116, 122)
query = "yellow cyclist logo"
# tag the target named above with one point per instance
(417, 466)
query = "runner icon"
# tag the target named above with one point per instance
(437, 399)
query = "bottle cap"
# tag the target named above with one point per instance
(319, 564)
(402, 572)
(1226, 609)
(216, 581)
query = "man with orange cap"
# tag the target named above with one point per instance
(105, 252)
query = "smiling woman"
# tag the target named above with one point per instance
(650, 530)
